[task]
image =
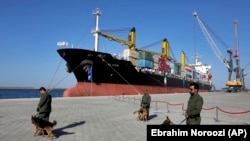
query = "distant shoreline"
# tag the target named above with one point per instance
(11, 87)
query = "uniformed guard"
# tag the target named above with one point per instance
(145, 102)
(194, 106)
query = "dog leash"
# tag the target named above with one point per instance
(183, 121)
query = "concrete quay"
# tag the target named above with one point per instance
(111, 118)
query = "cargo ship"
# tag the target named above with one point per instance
(102, 74)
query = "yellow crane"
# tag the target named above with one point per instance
(131, 43)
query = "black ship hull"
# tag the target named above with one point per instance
(100, 74)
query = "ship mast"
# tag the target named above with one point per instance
(97, 13)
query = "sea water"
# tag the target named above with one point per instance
(27, 93)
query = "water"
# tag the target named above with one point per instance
(27, 93)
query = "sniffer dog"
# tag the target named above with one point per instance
(167, 121)
(141, 114)
(41, 125)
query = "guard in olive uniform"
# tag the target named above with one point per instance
(145, 102)
(194, 106)
(44, 105)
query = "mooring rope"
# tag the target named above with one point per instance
(53, 77)
(122, 77)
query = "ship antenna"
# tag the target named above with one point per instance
(97, 13)
(197, 59)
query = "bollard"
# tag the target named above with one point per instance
(167, 108)
(217, 115)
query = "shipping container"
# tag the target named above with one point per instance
(133, 60)
(144, 55)
(128, 53)
(145, 64)
(177, 69)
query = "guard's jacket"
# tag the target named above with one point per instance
(44, 104)
(145, 102)
(194, 108)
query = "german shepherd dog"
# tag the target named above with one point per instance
(41, 125)
(141, 114)
(167, 121)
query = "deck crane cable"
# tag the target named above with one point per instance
(143, 47)
(246, 74)
(215, 35)
(82, 37)
(187, 58)
(152, 44)
(243, 69)
(155, 43)
(116, 30)
(172, 53)
(246, 66)
(214, 47)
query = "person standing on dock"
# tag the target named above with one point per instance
(194, 106)
(44, 105)
(145, 102)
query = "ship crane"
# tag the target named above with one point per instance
(97, 32)
(165, 51)
(232, 85)
(131, 43)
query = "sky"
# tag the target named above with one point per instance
(30, 30)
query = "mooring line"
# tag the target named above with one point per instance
(122, 77)
(53, 77)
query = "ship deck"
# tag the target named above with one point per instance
(107, 118)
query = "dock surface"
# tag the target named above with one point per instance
(111, 118)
